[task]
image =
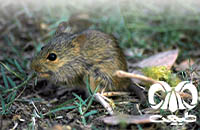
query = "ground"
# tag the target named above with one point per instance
(31, 103)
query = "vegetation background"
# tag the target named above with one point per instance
(143, 28)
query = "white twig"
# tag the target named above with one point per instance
(36, 112)
(137, 106)
(15, 126)
(110, 94)
(33, 120)
(106, 105)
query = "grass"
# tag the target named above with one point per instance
(135, 30)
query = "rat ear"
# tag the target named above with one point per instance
(63, 27)
(80, 39)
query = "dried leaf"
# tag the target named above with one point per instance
(128, 119)
(185, 64)
(167, 59)
(60, 127)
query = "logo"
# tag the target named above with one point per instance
(173, 102)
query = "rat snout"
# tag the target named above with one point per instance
(36, 67)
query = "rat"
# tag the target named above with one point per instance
(70, 59)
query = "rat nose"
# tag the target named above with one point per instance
(36, 67)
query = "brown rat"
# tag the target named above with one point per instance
(70, 59)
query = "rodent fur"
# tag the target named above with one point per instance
(91, 54)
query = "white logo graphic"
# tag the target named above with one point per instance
(173, 101)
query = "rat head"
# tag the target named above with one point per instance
(57, 60)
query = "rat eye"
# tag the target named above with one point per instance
(52, 56)
(42, 48)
